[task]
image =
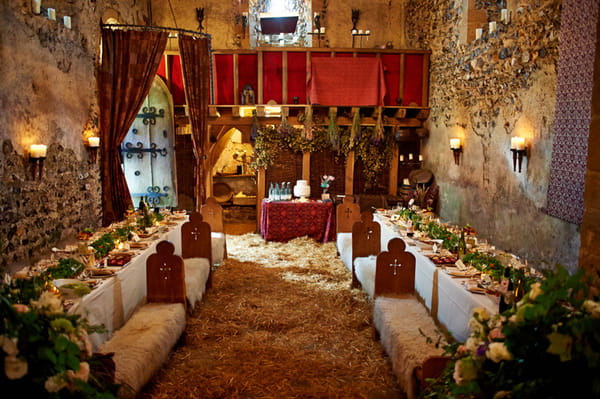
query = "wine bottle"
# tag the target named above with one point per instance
(271, 188)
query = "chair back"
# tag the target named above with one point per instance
(395, 270)
(347, 213)
(366, 236)
(165, 275)
(212, 213)
(195, 238)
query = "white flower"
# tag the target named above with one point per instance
(472, 344)
(83, 373)
(9, 345)
(481, 313)
(55, 383)
(476, 327)
(15, 367)
(497, 352)
(464, 370)
(48, 301)
(535, 290)
(592, 307)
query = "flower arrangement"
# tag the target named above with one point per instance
(45, 352)
(326, 181)
(546, 346)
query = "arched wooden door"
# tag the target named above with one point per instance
(148, 151)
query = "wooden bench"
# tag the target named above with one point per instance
(366, 239)
(347, 213)
(212, 212)
(143, 344)
(403, 322)
(196, 251)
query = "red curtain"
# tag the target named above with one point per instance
(130, 60)
(195, 60)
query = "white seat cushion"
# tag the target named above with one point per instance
(364, 268)
(398, 321)
(218, 247)
(143, 344)
(197, 271)
(344, 247)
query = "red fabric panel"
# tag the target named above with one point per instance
(319, 54)
(391, 72)
(297, 77)
(347, 82)
(177, 87)
(367, 55)
(286, 220)
(272, 77)
(224, 79)
(248, 73)
(413, 79)
(342, 55)
(161, 69)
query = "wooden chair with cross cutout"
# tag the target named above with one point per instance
(347, 213)
(196, 251)
(402, 321)
(366, 238)
(212, 212)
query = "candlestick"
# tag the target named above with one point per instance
(410, 156)
(478, 33)
(37, 151)
(94, 141)
(360, 31)
(354, 32)
(492, 26)
(52, 14)
(454, 144)
(504, 16)
(67, 21)
(406, 182)
(401, 157)
(420, 158)
(322, 29)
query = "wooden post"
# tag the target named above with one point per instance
(260, 72)
(349, 181)
(425, 81)
(306, 166)
(393, 184)
(284, 77)
(260, 194)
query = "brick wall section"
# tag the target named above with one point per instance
(589, 255)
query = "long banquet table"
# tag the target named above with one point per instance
(285, 220)
(445, 296)
(113, 302)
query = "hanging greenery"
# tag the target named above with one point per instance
(355, 130)
(375, 152)
(308, 123)
(332, 130)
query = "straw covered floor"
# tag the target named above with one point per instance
(279, 321)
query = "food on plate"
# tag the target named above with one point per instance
(442, 260)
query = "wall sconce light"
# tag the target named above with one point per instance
(93, 145)
(456, 148)
(518, 149)
(37, 154)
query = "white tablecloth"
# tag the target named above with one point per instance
(448, 300)
(113, 302)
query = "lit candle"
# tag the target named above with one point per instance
(67, 21)
(517, 143)
(406, 182)
(420, 158)
(367, 32)
(316, 31)
(401, 157)
(492, 26)
(52, 14)
(37, 151)
(410, 156)
(478, 33)
(504, 15)
(94, 141)
(36, 6)
(322, 29)
(354, 31)
(455, 144)
(360, 32)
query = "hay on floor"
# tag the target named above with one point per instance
(280, 321)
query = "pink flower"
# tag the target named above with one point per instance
(20, 308)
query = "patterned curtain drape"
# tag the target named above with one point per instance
(195, 61)
(130, 60)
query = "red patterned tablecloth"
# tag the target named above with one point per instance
(285, 220)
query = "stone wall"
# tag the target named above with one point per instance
(48, 96)
(485, 91)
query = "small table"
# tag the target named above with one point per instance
(285, 220)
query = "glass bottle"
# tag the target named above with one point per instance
(506, 288)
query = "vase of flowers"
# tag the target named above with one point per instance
(325, 182)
